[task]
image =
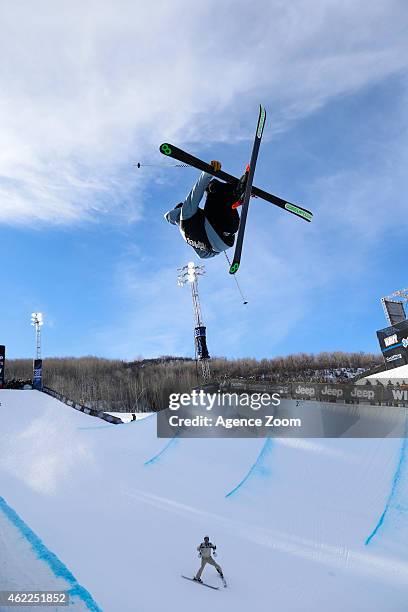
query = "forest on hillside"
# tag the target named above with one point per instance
(145, 384)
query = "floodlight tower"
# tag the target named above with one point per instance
(37, 322)
(190, 274)
(402, 293)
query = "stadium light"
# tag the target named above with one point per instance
(37, 319)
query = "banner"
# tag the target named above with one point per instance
(37, 376)
(394, 344)
(348, 393)
(343, 392)
(2, 364)
(97, 413)
(201, 342)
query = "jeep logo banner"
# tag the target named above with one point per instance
(37, 375)
(337, 393)
(2, 364)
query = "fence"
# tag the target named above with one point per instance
(91, 411)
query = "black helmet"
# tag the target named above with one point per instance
(206, 538)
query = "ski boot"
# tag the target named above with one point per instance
(239, 190)
(197, 579)
(221, 575)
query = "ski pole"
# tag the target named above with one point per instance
(236, 281)
(139, 165)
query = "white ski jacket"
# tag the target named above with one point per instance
(205, 549)
(188, 210)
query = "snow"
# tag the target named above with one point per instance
(115, 515)
(395, 375)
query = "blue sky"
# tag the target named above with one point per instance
(85, 93)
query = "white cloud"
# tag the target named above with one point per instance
(87, 87)
(155, 315)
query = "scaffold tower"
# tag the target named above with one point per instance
(37, 322)
(189, 274)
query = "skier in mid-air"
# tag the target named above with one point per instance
(211, 230)
(204, 550)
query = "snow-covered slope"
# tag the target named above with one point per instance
(300, 524)
(395, 375)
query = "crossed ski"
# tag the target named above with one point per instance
(184, 157)
(245, 203)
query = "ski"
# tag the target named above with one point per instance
(180, 155)
(202, 583)
(245, 204)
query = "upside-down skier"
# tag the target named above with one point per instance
(209, 230)
(204, 550)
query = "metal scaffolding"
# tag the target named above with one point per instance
(37, 322)
(189, 274)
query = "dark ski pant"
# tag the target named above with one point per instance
(217, 207)
(219, 213)
(204, 561)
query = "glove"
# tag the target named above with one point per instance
(216, 165)
(214, 554)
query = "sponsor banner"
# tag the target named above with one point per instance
(326, 392)
(350, 393)
(97, 413)
(329, 392)
(392, 359)
(363, 393)
(37, 375)
(285, 391)
(305, 391)
(394, 344)
(396, 395)
(2, 364)
(201, 342)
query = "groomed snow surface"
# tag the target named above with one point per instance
(396, 375)
(114, 515)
